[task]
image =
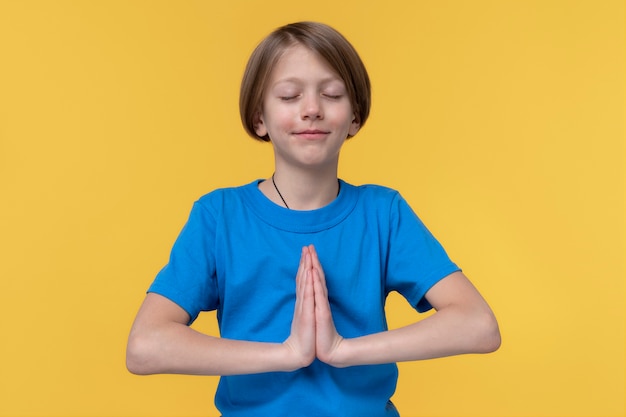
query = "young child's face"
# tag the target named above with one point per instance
(306, 110)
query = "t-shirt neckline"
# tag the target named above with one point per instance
(301, 221)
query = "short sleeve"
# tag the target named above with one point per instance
(416, 260)
(189, 277)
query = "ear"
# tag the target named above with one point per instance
(354, 126)
(259, 125)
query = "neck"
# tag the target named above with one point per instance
(301, 190)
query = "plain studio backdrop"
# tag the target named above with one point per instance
(501, 122)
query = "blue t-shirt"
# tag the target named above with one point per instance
(239, 254)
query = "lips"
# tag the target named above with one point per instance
(311, 133)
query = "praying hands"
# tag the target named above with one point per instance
(313, 333)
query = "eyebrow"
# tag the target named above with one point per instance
(297, 80)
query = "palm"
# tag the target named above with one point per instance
(313, 332)
(327, 340)
(301, 341)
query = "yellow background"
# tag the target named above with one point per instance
(502, 122)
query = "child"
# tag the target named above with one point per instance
(298, 266)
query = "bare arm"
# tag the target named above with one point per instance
(160, 340)
(463, 323)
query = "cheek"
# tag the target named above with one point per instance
(342, 116)
(283, 119)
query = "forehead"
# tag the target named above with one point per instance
(299, 63)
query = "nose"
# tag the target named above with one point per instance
(312, 107)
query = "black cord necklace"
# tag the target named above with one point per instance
(279, 194)
(282, 198)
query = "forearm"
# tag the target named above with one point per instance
(178, 349)
(451, 331)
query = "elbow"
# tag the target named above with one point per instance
(489, 339)
(137, 356)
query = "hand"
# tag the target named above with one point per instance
(327, 340)
(301, 341)
(313, 332)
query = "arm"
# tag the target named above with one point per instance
(160, 340)
(463, 323)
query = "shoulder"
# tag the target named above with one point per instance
(377, 190)
(212, 207)
(378, 204)
(385, 203)
(225, 197)
(378, 195)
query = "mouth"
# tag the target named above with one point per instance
(311, 133)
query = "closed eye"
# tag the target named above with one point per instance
(288, 98)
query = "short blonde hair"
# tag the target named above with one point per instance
(318, 37)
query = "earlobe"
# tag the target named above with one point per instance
(354, 127)
(259, 125)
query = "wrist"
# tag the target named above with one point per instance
(291, 359)
(340, 356)
(358, 351)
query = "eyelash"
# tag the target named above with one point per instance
(330, 96)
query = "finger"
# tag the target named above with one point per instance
(318, 266)
(301, 280)
(302, 337)
(309, 292)
(313, 252)
(301, 264)
(327, 339)
(304, 265)
(304, 310)
(307, 258)
(316, 260)
(322, 304)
